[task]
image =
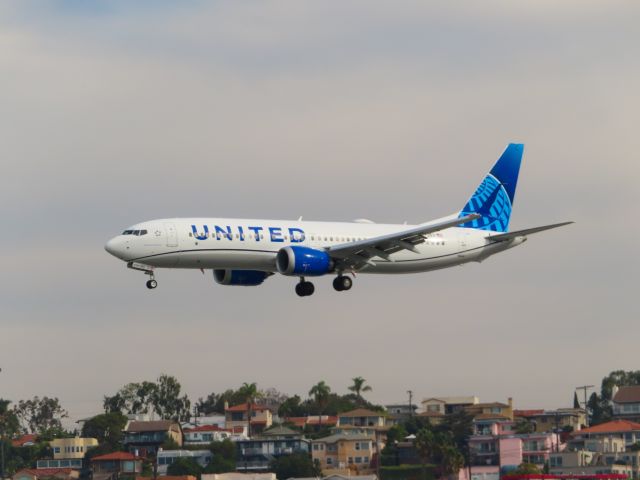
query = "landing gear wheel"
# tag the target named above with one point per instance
(304, 289)
(151, 284)
(342, 283)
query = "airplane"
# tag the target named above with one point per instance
(246, 252)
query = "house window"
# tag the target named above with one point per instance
(496, 410)
(56, 450)
(433, 408)
(357, 445)
(329, 461)
(358, 459)
(365, 459)
(350, 460)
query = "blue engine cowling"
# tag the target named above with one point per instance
(303, 261)
(245, 278)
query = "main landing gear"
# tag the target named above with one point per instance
(151, 283)
(304, 288)
(342, 283)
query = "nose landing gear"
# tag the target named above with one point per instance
(304, 288)
(151, 283)
(342, 283)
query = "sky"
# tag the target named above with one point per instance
(116, 112)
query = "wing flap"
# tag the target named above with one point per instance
(357, 254)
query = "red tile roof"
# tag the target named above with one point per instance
(24, 439)
(47, 472)
(115, 456)
(614, 426)
(313, 420)
(362, 412)
(243, 407)
(527, 413)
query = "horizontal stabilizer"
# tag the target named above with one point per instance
(504, 237)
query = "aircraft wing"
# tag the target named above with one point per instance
(356, 255)
(505, 237)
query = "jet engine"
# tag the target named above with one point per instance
(245, 278)
(303, 261)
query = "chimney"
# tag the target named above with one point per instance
(226, 405)
(510, 402)
(614, 390)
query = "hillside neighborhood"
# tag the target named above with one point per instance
(150, 430)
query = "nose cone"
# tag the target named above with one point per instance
(113, 246)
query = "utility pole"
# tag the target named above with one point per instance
(584, 388)
(410, 392)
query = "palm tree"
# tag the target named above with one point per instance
(249, 392)
(320, 393)
(359, 386)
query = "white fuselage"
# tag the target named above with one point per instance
(246, 244)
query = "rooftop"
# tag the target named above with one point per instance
(243, 407)
(614, 426)
(115, 456)
(362, 412)
(152, 426)
(627, 394)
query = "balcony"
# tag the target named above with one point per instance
(490, 459)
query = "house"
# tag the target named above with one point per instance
(72, 448)
(624, 429)
(343, 451)
(313, 421)
(205, 434)
(238, 476)
(67, 453)
(362, 417)
(400, 411)
(562, 419)
(492, 410)
(238, 416)
(497, 449)
(119, 463)
(602, 455)
(626, 403)
(165, 458)
(280, 432)
(441, 406)
(46, 473)
(257, 453)
(145, 437)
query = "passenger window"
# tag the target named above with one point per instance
(143, 232)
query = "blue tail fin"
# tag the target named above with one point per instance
(493, 199)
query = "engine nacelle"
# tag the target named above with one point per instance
(245, 278)
(303, 261)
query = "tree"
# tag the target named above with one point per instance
(9, 426)
(526, 469)
(166, 400)
(459, 426)
(359, 386)
(224, 457)
(133, 398)
(40, 415)
(185, 466)
(618, 378)
(425, 445)
(107, 429)
(576, 402)
(291, 407)
(524, 426)
(295, 465)
(599, 409)
(451, 460)
(320, 393)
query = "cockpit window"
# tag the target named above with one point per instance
(135, 232)
(128, 232)
(143, 232)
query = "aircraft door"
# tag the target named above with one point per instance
(172, 234)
